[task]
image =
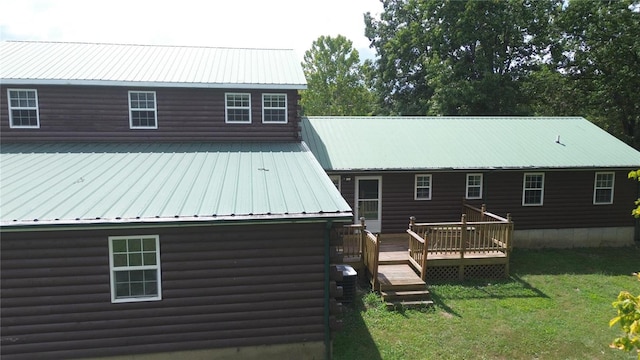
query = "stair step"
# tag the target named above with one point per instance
(393, 262)
(411, 295)
(402, 287)
(409, 304)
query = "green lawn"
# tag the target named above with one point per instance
(555, 305)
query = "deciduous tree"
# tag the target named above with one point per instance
(458, 57)
(335, 79)
(601, 55)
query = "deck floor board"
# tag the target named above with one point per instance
(398, 275)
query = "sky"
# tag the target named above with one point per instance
(282, 24)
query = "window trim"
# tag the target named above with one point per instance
(337, 181)
(286, 108)
(131, 110)
(415, 187)
(596, 188)
(466, 194)
(112, 270)
(227, 108)
(10, 108)
(524, 188)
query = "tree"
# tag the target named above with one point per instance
(628, 316)
(458, 57)
(627, 305)
(335, 79)
(600, 53)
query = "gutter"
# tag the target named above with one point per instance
(185, 221)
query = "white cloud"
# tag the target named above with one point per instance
(240, 23)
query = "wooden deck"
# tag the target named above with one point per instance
(434, 251)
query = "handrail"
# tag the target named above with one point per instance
(481, 213)
(418, 253)
(461, 237)
(371, 256)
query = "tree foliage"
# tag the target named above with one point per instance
(628, 316)
(458, 57)
(628, 305)
(600, 54)
(335, 79)
(635, 175)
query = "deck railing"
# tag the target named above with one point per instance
(481, 214)
(371, 256)
(463, 236)
(487, 234)
(352, 241)
(417, 252)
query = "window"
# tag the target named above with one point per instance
(336, 181)
(238, 108)
(603, 188)
(142, 110)
(474, 186)
(23, 108)
(533, 189)
(134, 262)
(423, 187)
(274, 108)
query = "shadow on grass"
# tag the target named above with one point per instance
(354, 341)
(513, 287)
(524, 262)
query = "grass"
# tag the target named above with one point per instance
(555, 305)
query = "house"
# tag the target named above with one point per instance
(563, 180)
(157, 202)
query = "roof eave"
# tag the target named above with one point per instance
(48, 225)
(152, 84)
(494, 168)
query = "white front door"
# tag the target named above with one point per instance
(369, 201)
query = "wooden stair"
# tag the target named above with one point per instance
(400, 286)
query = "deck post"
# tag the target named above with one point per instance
(463, 246)
(363, 237)
(482, 212)
(423, 265)
(508, 236)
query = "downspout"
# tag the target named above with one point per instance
(327, 325)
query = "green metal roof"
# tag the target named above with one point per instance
(59, 63)
(414, 143)
(123, 183)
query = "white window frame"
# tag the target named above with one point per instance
(525, 189)
(227, 108)
(132, 110)
(596, 187)
(336, 179)
(11, 108)
(469, 186)
(264, 107)
(416, 187)
(113, 269)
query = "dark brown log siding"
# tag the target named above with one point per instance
(222, 286)
(568, 199)
(98, 113)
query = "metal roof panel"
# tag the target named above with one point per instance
(24, 62)
(102, 183)
(405, 143)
